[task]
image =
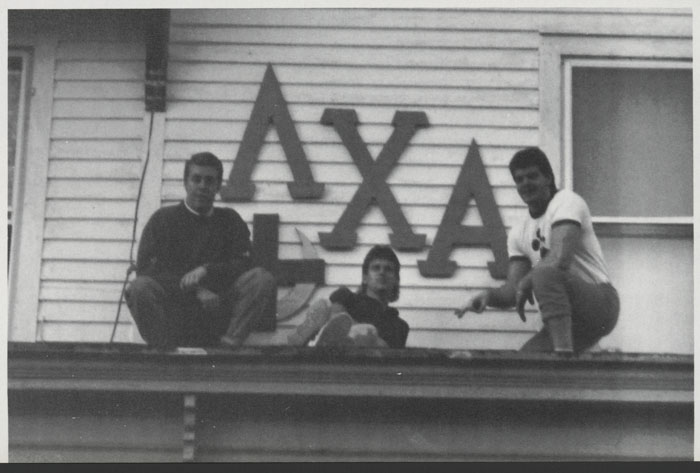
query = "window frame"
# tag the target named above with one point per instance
(557, 46)
(13, 209)
(621, 222)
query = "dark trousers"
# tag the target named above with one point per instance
(167, 319)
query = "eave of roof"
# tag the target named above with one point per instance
(408, 373)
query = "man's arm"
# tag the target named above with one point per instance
(234, 261)
(565, 238)
(502, 297)
(146, 256)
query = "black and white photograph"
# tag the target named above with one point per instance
(349, 232)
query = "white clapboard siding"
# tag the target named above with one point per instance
(467, 257)
(419, 174)
(57, 306)
(116, 189)
(95, 164)
(77, 250)
(104, 169)
(457, 77)
(360, 55)
(90, 209)
(88, 230)
(343, 36)
(98, 109)
(322, 213)
(496, 155)
(593, 21)
(291, 74)
(106, 51)
(94, 128)
(343, 192)
(125, 70)
(99, 90)
(114, 250)
(111, 271)
(476, 80)
(335, 95)
(208, 131)
(474, 73)
(96, 149)
(229, 108)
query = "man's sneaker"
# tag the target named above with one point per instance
(231, 343)
(316, 317)
(335, 332)
(366, 335)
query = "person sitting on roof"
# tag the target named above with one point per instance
(195, 285)
(363, 318)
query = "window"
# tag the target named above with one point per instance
(627, 146)
(629, 140)
(16, 111)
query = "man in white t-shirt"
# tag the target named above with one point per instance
(554, 255)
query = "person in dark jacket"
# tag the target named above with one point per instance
(362, 318)
(195, 285)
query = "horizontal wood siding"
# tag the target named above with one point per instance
(470, 84)
(475, 73)
(95, 163)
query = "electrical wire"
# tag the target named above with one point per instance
(132, 264)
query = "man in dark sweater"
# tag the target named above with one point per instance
(363, 318)
(194, 284)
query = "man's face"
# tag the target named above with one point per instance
(532, 185)
(381, 279)
(202, 184)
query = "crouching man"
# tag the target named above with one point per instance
(194, 284)
(555, 256)
(363, 318)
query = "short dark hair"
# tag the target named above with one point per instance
(205, 158)
(386, 253)
(533, 156)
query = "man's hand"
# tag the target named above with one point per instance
(523, 293)
(476, 304)
(191, 280)
(210, 300)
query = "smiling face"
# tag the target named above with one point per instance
(201, 184)
(533, 187)
(380, 279)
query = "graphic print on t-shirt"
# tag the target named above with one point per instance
(538, 244)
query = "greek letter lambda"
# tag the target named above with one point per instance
(374, 174)
(270, 109)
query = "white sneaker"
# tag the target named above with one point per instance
(316, 317)
(366, 335)
(335, 332)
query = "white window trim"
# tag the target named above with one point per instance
(559, 48)
(12, 207)
(30, 208)
(568, 153)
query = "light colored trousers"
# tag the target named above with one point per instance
(593, 308)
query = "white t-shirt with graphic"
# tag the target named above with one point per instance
(531, 238)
